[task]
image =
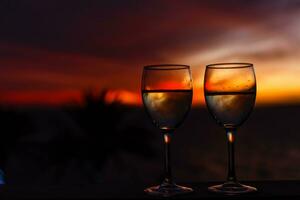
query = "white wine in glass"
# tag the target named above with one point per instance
(167, 108)
(167, 93)
(230, 92)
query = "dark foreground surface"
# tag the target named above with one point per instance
(102, 151)
(266, 190)
(54, 146)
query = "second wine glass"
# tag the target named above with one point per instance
(230, 91)
(167, 93)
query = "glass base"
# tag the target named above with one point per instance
(232, 188)
(168, 190)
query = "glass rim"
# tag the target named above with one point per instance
(229, 65)
(166, 67)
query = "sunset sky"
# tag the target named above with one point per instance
(52, 51)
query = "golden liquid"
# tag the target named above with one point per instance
(167, 108)
(230, 109)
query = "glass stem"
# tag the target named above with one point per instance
(168, 171)
(230, 133)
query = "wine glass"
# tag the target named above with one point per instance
(167, 93)
(230, 91)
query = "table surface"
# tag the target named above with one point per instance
(266, 189)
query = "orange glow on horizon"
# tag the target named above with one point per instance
(124, 97)
(56, 98)
(41, 98)
(263, 98)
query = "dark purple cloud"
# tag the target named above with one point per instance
(129, 29)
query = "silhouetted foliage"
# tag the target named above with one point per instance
(14, 125)
(103, 135)
(102, 124)
(51, 138)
